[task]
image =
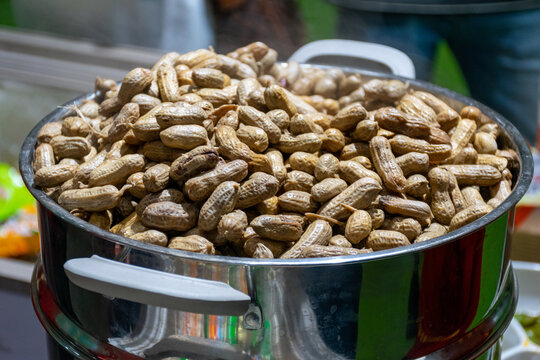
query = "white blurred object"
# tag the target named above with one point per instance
(516, 344)
(169, 25)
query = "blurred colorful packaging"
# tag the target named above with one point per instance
(18, 216)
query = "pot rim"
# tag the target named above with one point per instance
(522, 184)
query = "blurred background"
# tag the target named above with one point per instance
(49, 54)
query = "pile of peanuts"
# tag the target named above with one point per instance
(240, 155)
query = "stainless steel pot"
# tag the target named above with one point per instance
(447, 298)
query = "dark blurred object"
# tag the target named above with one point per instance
(276, 23)
(439, 7)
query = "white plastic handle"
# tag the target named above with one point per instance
(397, 61)
(152, 287)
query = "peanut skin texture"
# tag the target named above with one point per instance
(242, 155)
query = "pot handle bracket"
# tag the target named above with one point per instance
(395, 60)
(152, 287)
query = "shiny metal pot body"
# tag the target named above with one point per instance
(447, 298)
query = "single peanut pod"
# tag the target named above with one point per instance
(348, 117)
(473, 113)
(54, 175)
(327, 189)
(315, 251)
(75, 126)
(262, 252)
(172, 195)
(209, 78)
(501, 190)
(269, 206)
(413, 163)
(167, 83)
(278, 167)
(392, 119)
(229, 119)
(129, 225)
(482, 175)
(135, 82)
(168, 215)
(472, 196)
(446, 116)
(145, 102)
(121, 124)
(253, 117)
(232, 226)
(417, 186)
(308, 142)
(200, 187)
(333, 140)
(485, 143)
(402, 144)
(277, 227)
(359, 195)
(490, 128)
(511, 156)
(245, 88)
(377, 217)
(258, 187)
(167, 116)
(254, 137)
(385, 90)
(97, 198)
(352, 171)
(298, 180)
(158, 152)
(467, 155)
(101, 219)
(185, 137)
(222, 201)
(116, 172)
(353, 150)
(469, 215)
(153, 237)
(349, 84)
(74, 147)
(126, 205)
(297, 201)
(193, 163)
(409, 227)
(326, 87)
(386, 239)
(192, 243)
(364, 161)
(462, 135)
(49, 131)
(110, 106)
(117, 150)
(412, 105)
(386, 165)
(303, 161)
(43, 157)
(147, 128)
(407, 208)
(358, 226)
(497, 162)
(302, 123)
(276, 98)
(276, 247)
(365, 130)
(156, 178)
(455, 194)
(318, 232)
(340, 240)
(137, 188)
(327, 166)
(232, 148)
(442, 206)
(280, 118)
(432, 231)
